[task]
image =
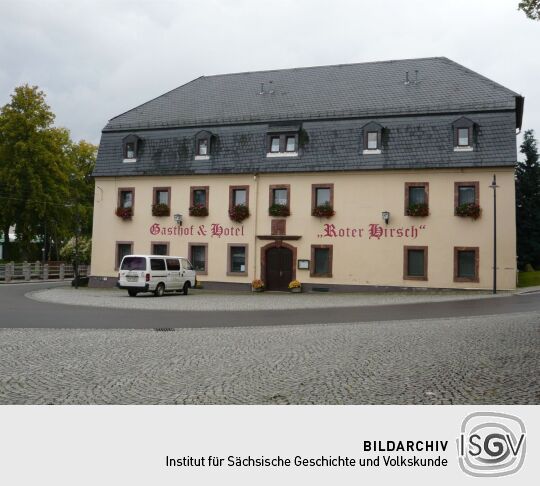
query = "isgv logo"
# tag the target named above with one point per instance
(491, 444)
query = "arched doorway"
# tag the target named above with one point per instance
(278, 262)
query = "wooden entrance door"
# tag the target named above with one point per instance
(279, 270)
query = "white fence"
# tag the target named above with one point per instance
(38, 271)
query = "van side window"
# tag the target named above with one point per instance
(157, 264)
(173, 264)
(186, 265)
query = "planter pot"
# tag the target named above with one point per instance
(296, 290)
(257, 290)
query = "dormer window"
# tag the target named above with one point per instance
(372, 141)
(130, 150)
(463, 132)
(282, 141)
(463, 137)
(203, 145)
(290, 144)
(371, 138)
(274, 145)
(131, 145)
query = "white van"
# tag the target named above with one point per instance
(155, 273)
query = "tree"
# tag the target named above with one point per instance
(528, 203)
(83, 159)
(44, 176)
(531, 8)
(33, 164)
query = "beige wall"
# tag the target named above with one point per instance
(359, 199)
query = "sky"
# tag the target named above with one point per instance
(97, 59)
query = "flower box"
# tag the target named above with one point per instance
(323, 211)
(468, 210)
(198, 210)
(257, 285)
(161, 209)
(239, 212)
(420, 209)
(124, 213)
(279, 210)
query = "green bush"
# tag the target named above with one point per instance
(67, 252)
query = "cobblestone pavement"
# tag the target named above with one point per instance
(480, 360)
(227, 301)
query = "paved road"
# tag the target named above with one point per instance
(480, 360)
(396, 359)
(17, 311)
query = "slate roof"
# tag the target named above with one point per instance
(368, 89)
(332, 104)
(411, 142)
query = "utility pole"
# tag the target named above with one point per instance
(77, 230)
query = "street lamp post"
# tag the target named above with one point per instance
(44, 249)
(494, 187)
(77, 234)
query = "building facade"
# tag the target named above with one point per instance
(342, 177)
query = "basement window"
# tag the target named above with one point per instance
(321, 261)
(466, 264)
(237, 260)
(415, 263)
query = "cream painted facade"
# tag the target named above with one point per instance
(359, 258)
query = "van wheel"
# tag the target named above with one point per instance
(160, 290)
(132, 293)
(186, 288)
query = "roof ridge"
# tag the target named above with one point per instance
(302, 68)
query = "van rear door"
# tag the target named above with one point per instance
(132, 270)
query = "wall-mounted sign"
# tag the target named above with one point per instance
(373, 230)
(303, 264)
(214, 230)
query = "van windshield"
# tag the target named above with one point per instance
(134, 263)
